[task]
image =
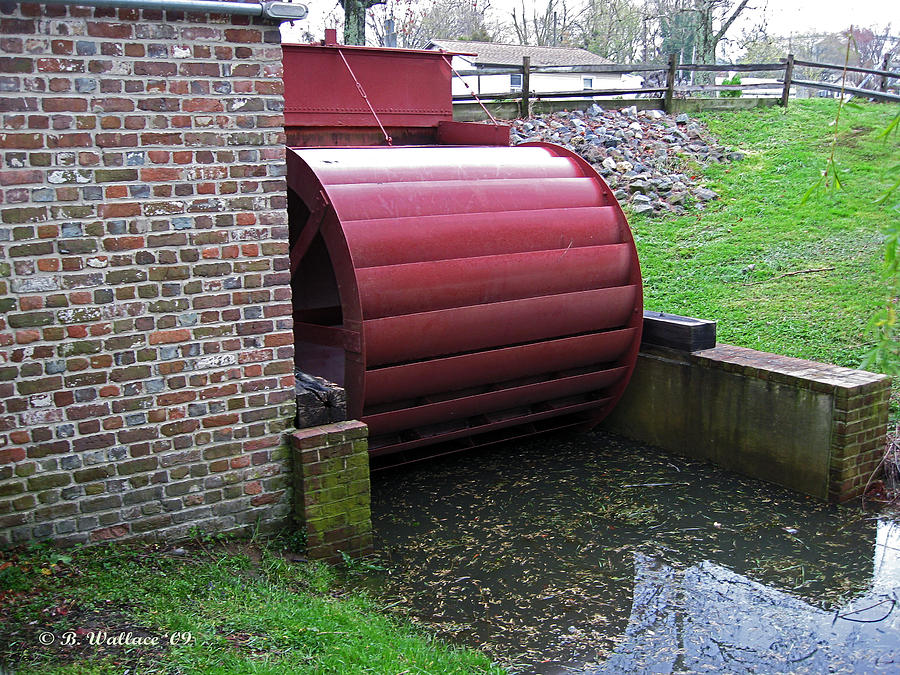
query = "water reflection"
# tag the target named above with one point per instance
(886, 573)
(707, 619)
(587, 553)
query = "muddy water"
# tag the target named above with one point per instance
(586, 553)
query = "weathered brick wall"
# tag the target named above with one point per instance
(332, 494)
(813, 427)
(858, 436)
(145, 336)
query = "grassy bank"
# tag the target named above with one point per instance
(749, 259)
(213, 608)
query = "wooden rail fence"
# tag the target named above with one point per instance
(671, 70)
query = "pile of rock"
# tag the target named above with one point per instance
(641, 154)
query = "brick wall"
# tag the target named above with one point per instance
(332, 506)
(813, 427)
(858, 436)
(145, 336)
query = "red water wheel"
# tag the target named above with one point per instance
(462, 294)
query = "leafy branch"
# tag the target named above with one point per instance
(884, 326)
(884, 357)
(831, 168)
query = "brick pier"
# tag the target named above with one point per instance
(331, 489)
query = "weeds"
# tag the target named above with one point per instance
(887, 489)
(360, 565)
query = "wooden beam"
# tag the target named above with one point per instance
(678, 332)
(853, 69)
(856, 91)
(580, 93)
(788, 74)
(727, 67)
(774, 84)
(624, 68)
(526, 87)
(319, 401)
(613, 68)
(670, 81)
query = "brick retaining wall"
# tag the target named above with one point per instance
(146, 351)
(813, 427)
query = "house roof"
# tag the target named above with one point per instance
(493, 54)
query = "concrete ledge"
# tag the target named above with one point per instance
(812, 427)
(332, 490)
(695, 105)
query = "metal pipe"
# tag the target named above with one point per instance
(282, 11)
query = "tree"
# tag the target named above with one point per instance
(679, 31)
(869, 45)
(355, 20)
(709, 35)
(867, 48)
(693, 29)
(557, 25)
(416, 26)
(613, 29)
(765, 49)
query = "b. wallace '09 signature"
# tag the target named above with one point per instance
(104, 638)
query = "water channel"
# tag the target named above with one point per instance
(587, 553)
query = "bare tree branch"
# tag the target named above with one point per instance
(730, 21)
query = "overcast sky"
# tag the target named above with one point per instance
(783, 16)
(829, 16)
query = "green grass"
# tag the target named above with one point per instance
(247, 609)
(725, 262)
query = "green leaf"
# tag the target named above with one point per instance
(893, 126)
(884, 197)
(812, 188)
(837, 181)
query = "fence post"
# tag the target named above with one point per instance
(884, 66)
(788, 74)
(526, 87)
(670, 82)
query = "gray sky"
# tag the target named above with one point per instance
(829, 16)
(783, 16)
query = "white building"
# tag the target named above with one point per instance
(489, 55)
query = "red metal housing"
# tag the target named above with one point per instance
(454, 291)
(409, 91)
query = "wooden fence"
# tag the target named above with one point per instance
(671, 70)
